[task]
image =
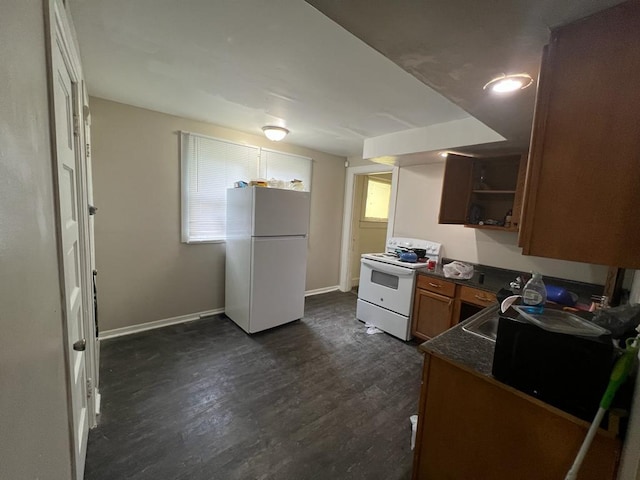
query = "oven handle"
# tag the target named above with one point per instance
(387, 268)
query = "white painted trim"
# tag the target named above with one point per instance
(345, 267)
(319, 291)
(395, 178)
(142, 327)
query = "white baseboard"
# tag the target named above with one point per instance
(319, 291)
(118, 332)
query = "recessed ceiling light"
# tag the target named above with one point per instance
(509, 83)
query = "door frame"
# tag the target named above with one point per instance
(349, 199)
(59, 33)
(93, 346)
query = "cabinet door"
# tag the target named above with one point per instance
(473, 427)
(582, 192)
(456, 189)
(432, 314)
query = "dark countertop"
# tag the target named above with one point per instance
(473, 351)
(494, 279)
(464, 348)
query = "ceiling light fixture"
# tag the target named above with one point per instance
(444, 154)
(273, 133)
(509, 83)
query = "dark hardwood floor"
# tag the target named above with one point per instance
(314, 399)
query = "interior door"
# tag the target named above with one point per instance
(65, 99)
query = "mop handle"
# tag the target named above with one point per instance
(619, 374)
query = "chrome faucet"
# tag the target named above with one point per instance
(517, 283)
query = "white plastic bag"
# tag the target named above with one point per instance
(458, 270)
(414, 428)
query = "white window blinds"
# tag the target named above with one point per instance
(283, 166)
(211, 166)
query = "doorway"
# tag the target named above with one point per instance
(369, 219)
(369, 208)
(72, 182)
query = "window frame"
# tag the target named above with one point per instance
(365, 193)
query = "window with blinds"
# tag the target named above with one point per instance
(210, 166)
(284, 166)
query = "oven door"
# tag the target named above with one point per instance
(386, 285)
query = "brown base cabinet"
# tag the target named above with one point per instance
(440, 304)
(474, 427)
(433, 314)
(433, 307)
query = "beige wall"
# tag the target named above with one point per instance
(418, 204)
(144, 272)
(34, 433)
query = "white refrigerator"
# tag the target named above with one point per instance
(266, 256)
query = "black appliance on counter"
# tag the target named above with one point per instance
(567, 371)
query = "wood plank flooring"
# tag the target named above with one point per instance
(314, 399)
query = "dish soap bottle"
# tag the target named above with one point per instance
(534, 294)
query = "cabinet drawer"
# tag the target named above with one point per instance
(476, 296)
(437, 285)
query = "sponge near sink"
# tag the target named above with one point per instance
(560, 295)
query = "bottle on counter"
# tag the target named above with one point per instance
(534, 294)
(507, 218)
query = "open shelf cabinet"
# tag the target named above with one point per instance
(480, 192)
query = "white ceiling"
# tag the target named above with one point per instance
(248, 63)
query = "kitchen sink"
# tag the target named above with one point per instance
(484, 323)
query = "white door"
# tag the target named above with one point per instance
(65, 96)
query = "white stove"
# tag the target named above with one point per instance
(385, 293)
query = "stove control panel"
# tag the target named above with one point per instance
(432, 248)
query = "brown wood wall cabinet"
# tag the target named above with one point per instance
(583, 181)
(483, 189)
(473, 427)
(440, 304)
